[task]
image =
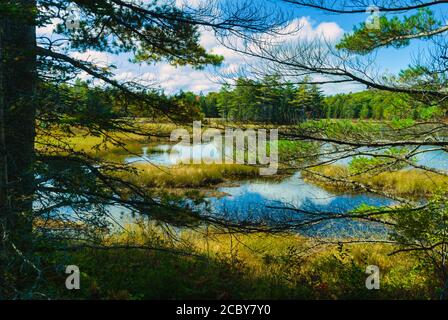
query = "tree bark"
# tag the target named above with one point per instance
(18, 79)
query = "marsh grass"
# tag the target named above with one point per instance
(218, 265)
(237, 266)
(410, 182)
(188, 176)
(112, 147)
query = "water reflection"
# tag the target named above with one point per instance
(180, 153)
(274, 200)
(166, 154)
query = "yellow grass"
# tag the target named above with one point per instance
(412, 182)
(255, 248)
(293, 261)
(188, 176)
(100, 146)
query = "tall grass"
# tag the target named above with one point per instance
(188, 176)
(412, 182)
(115, 144)
(222, 266)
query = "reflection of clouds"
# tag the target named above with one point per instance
(292, 192)
(436, 159)
(181, 153)
(178, 154)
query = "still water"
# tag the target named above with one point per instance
(291, 199)
(279, 201)
(166, 154)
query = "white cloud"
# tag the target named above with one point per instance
(335, 88)
(304, 28)
(329, 30)
(146, 78)
(186, 78)
(173, 79)
(188, 3)
(208, 39)
(101, 59)
(48, 29)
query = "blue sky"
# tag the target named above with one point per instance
(313, 23)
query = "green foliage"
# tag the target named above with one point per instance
(209, 104)
(293, 150)
(386, 161)
(265, 101)
(425, 232)
(378, 105)
(402, 123)
(62, 177)
(426, 227)
(341, 129)
(151, 31)
(43, 96)
(188, 107)
(392, 32)
(86, 105)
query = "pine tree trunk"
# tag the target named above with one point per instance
(18, 80)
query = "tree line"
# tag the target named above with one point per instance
(379, 105)
(269, 101)
(265, 101)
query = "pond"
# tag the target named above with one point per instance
(279, 201)
(275, 201)
(165, 154)
(290, 199)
